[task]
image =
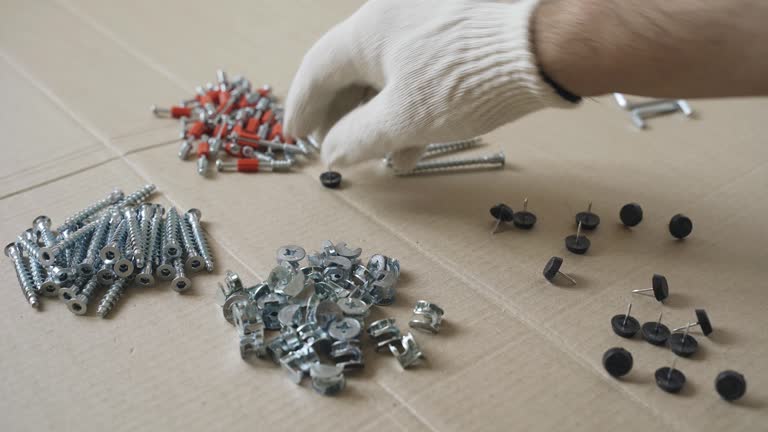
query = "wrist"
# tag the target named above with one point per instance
(565, 53)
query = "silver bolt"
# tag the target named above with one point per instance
(638, 115)
(22, 274)
(193, 217)
(73, 221)
(449, 147)
(112, 296)
(493, 161)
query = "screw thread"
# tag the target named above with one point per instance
(112, 296)
(178, 266)
(493, 160)
(146, 213)
(73, 221)
(172, 229)
(153, 246)
(135, 244)
(137, 197)
(23, 276)
(46, 235)
(440, 148)
(90, 288)
(98, 239)
(76, 236)
(187, 238)
(202, 243)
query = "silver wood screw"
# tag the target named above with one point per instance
(48, 255)
(112, 296)
(493, 161)
(146, 277)
(193, 216)
(172, 248)
(137, 197)
(22, 274)
(180, 283)
(78, 304)
(194, 261)
(135, 243)
(73, 221)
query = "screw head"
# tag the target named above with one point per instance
(42, 219)
(9, 249)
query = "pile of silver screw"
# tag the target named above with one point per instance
(429, 162)
(112, 243)
(318, 310)
(231, 119)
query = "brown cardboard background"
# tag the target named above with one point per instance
(517, 352)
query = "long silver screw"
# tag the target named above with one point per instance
(193, 216)
(22, 274)
(73, 221)
(135, 243)
(87, 266)
(27, 243)
(137, 197)
(194, 261)
(78, 304)
(181, 282)
(146, 277)
(165, 270)
(172, 248)
(42, 227)
(112, 296)
(492, 161)
(449, 147)
(112, 252)
(48, 255)
(146, 211)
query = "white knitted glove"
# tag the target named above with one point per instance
(400, 74)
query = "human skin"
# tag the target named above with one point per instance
(657, 48)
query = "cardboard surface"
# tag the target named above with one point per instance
(516, 352)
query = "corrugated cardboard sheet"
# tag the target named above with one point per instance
(77, 77)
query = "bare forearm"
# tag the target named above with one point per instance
(659, 48)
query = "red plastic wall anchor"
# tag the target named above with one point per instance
(248, 137)
(237, 128)
(268, 117)
(180, 111)
(232, 149)
(203, 149)
(213, 95)
(196, 129)
(243, 102)
(223, 100)
(217, 131)
(252, 126)
(277, 131)
(247, 165)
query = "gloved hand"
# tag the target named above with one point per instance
(400, 74)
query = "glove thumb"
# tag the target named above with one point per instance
(369, 131)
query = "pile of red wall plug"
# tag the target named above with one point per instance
(236, 127)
